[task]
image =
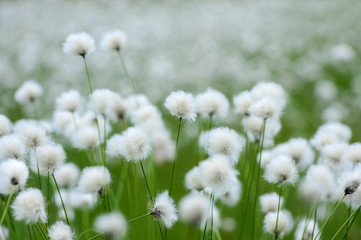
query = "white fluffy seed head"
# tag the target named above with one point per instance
(113, 145)
(68, 101)
(267, 107)
(60, 231)
(34, 134)
(13, 176)
(163, 147)
(323, 138)
(242, 102)
(181, 105)
(281, 169)
(253, 125)
(134, 144)
(193, 208)
(79, 44)
(269, 202)
(307, 229)
(217, 174)
(28, 92)
(224, 141)
(352, 154)
(342, 131)
(112, 224)
(193, 179)
(348, 185)
(101, 100)
(12, 146)
(284, 222)
(48, 158)
(114, 40)
(61, 120)
(212, 103)
(232, 196)
(29, 206)
(117, 108)
(270, 89)
(94, 179)
(164, 209)
(86, 138)
(67, 175)
(5, 125)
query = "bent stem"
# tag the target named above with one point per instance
(6, 208)
(137, 218)
(175, 157)
(61, 198)
(278, 212)
(126, 73)
(88, 77)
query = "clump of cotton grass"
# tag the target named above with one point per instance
(212, 103)
(13, 176)
(60, 231)
(134, 144)
(48, 158)
(164, 209)
(224, 141)
(85, 138)
(217, 173)
(114, 40)
(94, 179)
(79, 44)
(193, 208)
(181, 105)
(68, 101)
(242, 102)
(67, 175)
(193, 179)
(306, 229)
(12, 146)
(281, 170)
(278, 223)
(5, 125)
(29, 206)
(112, 225)
(28, 92)
(269, 202)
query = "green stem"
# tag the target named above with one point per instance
(126, 73)
(212, 205)
(210, 121)
(175, 157)
(88, 77)
(349, 225)
(41, 231)
(94, 237)
(346, 222)
(6, 208)
(105, 141)
(31, 238)
(49, 197)
(146, 182)
(278, 212)
(85, 232)
(61, 198)
(314, 222)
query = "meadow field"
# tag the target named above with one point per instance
(180, 120)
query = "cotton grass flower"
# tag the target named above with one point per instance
(112, 225)
(68, 101)
(60, 231)
(181, 105)
(193, 179)
(307, 229)
(164, 209)
(67, 175)
(113, 145)
(352, 154)
(242, 102)
(193, 208)
(269, 89)
(13, 176)
(94, 179)
(114, 40)
(212, 103)
(5, 125)
(34, 135)
(163, 147)
(232, 196)
(48, 158)
(267, 107)
(29, 206)
(134, 144)
(349, 187)
(28, 92)
(269, 202)
(101, 100)
(79, 44)
(217, 174)
(85, 138)
(281, 170)
(12, 146)
(283, 226)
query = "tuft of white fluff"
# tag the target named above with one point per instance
(318, 183)
(112, 224)
(193, 208)
(117, 108)
(12, 146)
(101, 100)
(265, 158)
(269, 202)
(61, 120)
(60, 231)
(193, 179)
(284, 223)
(29, 206)
(114, 40)
(85, 138)
(242, 102)
(79, 44)
(75, 199)
(208, 219)
(224, 141)
(307, 229)
(13, 176)
(217, 173)
(281, 169)
(253, 126)
(163, 147)
(348, 185)
(4, 233)
(34, 135)
(267, 107)
(28, 92)
(68, 101)
(323, 138)
(331, 155)
(48, 158)
(232, 196)
(134, 144)
(94, 179)
(164, 209)
(212, 103)
(67, 175)
(134, 102)
(270, 89)
(342, 131)
(113, 145)
(352, 154)
(181, 105)
(5, 125)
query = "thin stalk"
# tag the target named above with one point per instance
(212, 205)
(100, 141)
(349, 225)
(346, 222)
(88, 77)
(146, 182)
(137, 218)
(175, 157)
(61, 198)
(31, 238)
(278, 212)
(94, 237)
(37, 166)
(107, 196)
(105, 141)
(84, 233)
(126, 73)
(329, 217)
(314, 222)
(210, 121)
(206, 223)
(347, 228)
(6, 208)
(48, 205)
(41, 231)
